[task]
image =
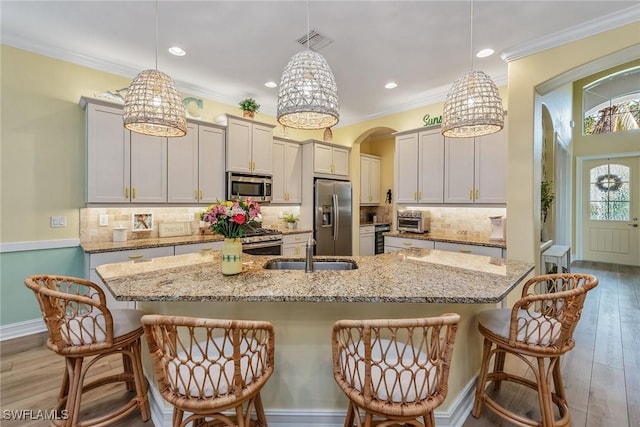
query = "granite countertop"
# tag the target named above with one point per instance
(407, 276)
(110, 246)
(450, 238)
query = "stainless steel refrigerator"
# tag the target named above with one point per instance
(332, 217)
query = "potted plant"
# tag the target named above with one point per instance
(291, 220)
(546, 200)
(249, 107)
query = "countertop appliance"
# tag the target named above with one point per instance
(332, 217)
(413, 221)
(243, 186)
(498, 227)
(379, 242)
(262, 241)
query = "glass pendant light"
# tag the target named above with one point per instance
(307, 95)
(473, 106)
(152, 105)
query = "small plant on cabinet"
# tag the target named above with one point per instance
(249, 107)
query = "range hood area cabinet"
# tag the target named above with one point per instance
(369, 180)
(419, 166)
(287, 171)
(476, 169)
(122, 166)
(196, 165)
(249, 145)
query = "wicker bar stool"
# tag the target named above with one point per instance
(209, 366)
(395, 370)
(83, 330)
(538, 330)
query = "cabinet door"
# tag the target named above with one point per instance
(340, 157)
(322, 159)
(459, 172)
(278, 191)
(262, 139)
(148, 168)
(365, 182)
(491, 168)
(431, 167)
(211, 174)
(293, 171)
(239, 135)
(374, 181)
(182, 169)
(108, 156)
(367, 244)
(204, 248)
(406, 168)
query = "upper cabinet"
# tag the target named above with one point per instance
(196, 165)
(287, 171)
(330, 160)
(420, 167)
(369, 180)
(475, 169)
(122, 166)
(249, 146)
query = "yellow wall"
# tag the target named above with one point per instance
(525, 133)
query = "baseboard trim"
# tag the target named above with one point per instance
(161, 414)
(38, 245)
(22, 329)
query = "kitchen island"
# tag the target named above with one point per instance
(303, 307)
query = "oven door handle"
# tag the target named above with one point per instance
(259, 245)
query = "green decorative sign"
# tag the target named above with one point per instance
(430, 121)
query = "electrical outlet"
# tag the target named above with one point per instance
(192, 216)
(104, 220)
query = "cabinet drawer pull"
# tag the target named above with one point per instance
(135, 256)
(206, 249)
(465, 251)
(298, 238)
(407, 244)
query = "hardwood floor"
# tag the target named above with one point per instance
(601, 374)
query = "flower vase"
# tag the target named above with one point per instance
(231, 256)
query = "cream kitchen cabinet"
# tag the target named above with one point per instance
(420, 167)
(369, 180)
(330, 160)
(94, 260)
(249, 146)
(295, 244)
(196, 165)
(367, 240)
(122, 166)
(469, 249)
(287, 171)
(475, 169)
(392, 243)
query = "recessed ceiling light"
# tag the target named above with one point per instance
(484, 53)
(271, 84)
(177, 51)
(391, 85)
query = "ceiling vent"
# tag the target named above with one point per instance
(316, 40)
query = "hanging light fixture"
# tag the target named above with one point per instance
(152, 105)
(307, 95)
(473, 106)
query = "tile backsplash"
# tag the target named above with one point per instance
(473, 222)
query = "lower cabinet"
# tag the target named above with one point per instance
(198, 247)
(94, 260)
(295, 244)
(397, 243)
(469, 249)
(367, 240)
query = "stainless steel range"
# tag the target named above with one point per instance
(262, 241)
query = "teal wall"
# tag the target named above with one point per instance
(17, 302)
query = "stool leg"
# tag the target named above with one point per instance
(498, 367)
(135, 360)
(259, 408)
(544, 394)
(128, 370)
(558, 385)
(177, 417)
(430, 420)
(348, 421)
(74, 367)
(482, 379)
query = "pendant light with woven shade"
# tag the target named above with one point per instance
(152, 105)
(473, 106)
(308, 95)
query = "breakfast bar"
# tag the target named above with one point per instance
(303, 307)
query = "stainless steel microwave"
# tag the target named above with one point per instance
(243, 186)
(414, 221)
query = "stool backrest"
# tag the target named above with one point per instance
(197, 360)
(394, 366)
(546, 315)
(75, 313)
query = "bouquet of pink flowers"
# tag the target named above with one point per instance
(231, 219)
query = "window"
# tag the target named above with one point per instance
(609, 192)
(612, 103)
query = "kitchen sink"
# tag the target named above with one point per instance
(318, 264)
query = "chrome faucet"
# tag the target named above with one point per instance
(308, 263)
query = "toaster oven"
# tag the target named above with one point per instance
(413, 221)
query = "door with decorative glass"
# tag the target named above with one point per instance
(610, 195)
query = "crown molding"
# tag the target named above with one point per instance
(599, 25)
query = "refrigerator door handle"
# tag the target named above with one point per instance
(336, 216)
